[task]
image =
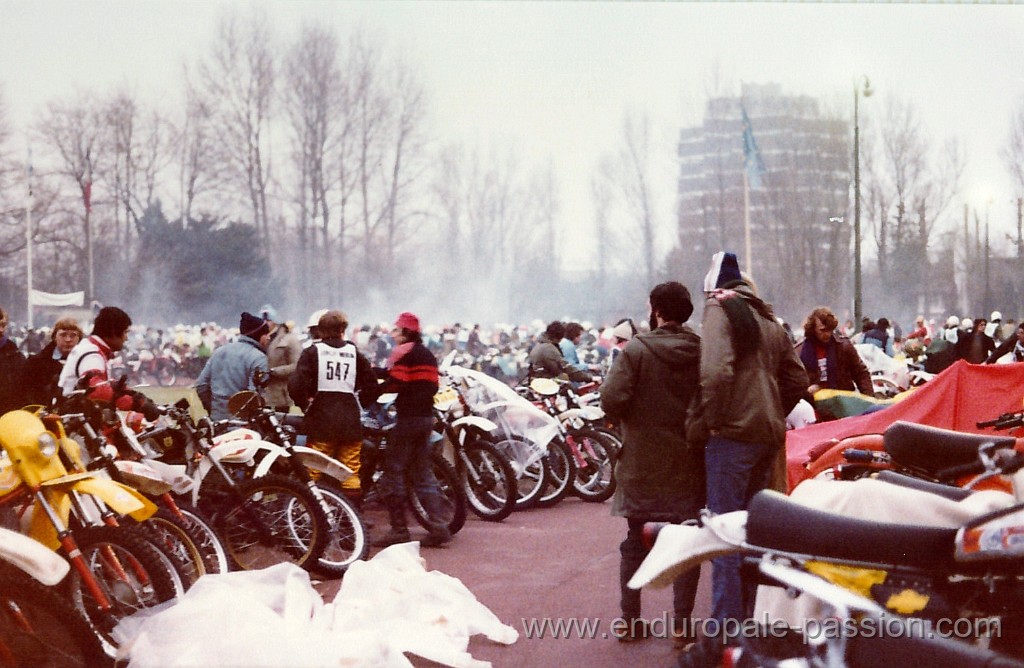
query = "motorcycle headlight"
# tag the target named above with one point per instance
(47, 444)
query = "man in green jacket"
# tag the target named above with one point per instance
(650, 389)
(750, 379)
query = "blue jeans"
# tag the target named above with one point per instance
(736, 471)
(409, 450)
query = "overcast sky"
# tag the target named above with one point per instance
(555, 79)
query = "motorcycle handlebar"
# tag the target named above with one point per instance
(1004, 421)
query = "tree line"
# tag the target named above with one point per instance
(309, 173)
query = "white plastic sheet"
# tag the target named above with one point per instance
(514, 415)
(386, 606)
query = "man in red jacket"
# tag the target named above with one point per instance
(413, 376)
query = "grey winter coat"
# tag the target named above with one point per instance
(650, 389)
(229, 370)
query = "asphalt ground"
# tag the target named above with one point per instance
(542, 566)
(558, 563)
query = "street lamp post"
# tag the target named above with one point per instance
(857, 280)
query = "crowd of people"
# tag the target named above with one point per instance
(702, 412)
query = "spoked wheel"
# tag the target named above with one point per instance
(215, 557)
(489, 481)
(454, 501)
(563, 472)
(173, 536)
(595, 480)
(347, 538)
(40, 628)
(531, 470)
(274, 519)
(129, 572)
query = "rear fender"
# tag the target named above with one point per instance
(680, 547)
(329, 466)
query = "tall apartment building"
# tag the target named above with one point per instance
(800, 230)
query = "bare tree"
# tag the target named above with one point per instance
(387, 105)
(601, 198)
(633, 180)
(312, 98)
(1013, 156)
(74, 130)
(237, 80)
(910, 186)
(195, 139)
(138, 149)
(1013, 152)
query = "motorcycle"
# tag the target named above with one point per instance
(146, 366)
(919, 451)
(377, 424)
(177, 528)
(593, 452)
(116, 570)
(487, 477)
(38, 625)
(968, 572)
(523, 434)
(347, 536)
(856, 633)
(262, 518)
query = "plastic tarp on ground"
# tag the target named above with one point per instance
(387, 607)
(956, 399)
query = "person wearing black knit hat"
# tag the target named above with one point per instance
(232, 366)
(750, 379)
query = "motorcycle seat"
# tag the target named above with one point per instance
(934, 449)
(776, 522)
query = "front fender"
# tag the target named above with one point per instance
(475, 421)
(313, 459)
(121, 499)
(32, 557)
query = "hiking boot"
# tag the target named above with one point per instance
(399, 529)
(437, 537)
(393, 537)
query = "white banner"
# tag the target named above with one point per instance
(40, 298)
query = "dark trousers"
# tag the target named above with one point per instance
(633, 551)
(409, 451)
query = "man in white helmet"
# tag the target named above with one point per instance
(313, 327)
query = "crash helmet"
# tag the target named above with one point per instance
(314, 319)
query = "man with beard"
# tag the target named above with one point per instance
(650, 389)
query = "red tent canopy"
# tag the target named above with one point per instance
(956, 399)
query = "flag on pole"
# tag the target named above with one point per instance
(751, 154)
(87, 195)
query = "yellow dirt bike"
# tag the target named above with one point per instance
(39, 626)
(115, 570)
